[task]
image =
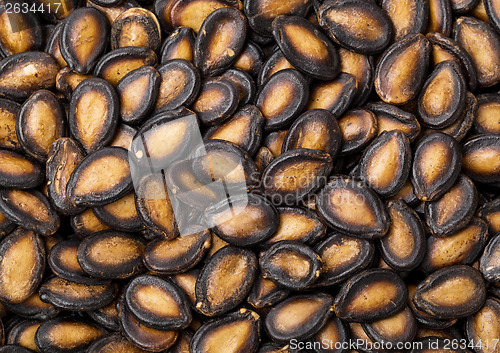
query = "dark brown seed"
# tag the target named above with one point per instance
(481, 158)
(100, 178)
(356, 25)
(451, 292)
(117, 63)
(489, 264)
(362, 68)
(424, 319)
(180, 83)
(487, 119)
(40, 122)
(274, 141)
(29, 209)
(19, 31)
(86, 223)
(341, 257)
(358, 127)
(316, 129)
(274, 63)
(67, 80)
(21, 266)
(52, 45)
(220, 41)
(332, 336)
(290, 264)
(403, 248)
(217, 100)
(492, 9)
(8, 114)
(93, 113)
(136, 27)
(401, 327)
(444, 48)
(120, 215)
(391, 118)
(440, 17)
(124, 136)
(66, 335)
(244, 82)
(154, 207)
(371, 295)
(458, 248)
(84, 38)
(74, 296)
(297, 224)
(353, 208)
(244, 129)
(462, 6)
(18, 171)
(407, 17)
(250, 59)
(145, 337)
(24, 73)
(113, 344)
(442, 98)
(265, 293)
(263, 158)
(296, 174)
(233, 333)
(484, 325)
(137, 92)
(14, 349)
(225, 280)
(401, 70)
(6, 226)
(298, 317)
(282, 98)
(483, 45)
(157, 303)
(63, 262)
(436, 166)
(107, 316)
(178, 45)
(178, 255)
(111, 255)
(454, 209)
(490, 213)
(274, 348)
(306, 47)
(23, 334)
(385, 163)
(186, 281)
(189, 13)
(334, 96)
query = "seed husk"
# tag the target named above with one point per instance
(282, 98)
(225, 280)
(451, 292)
(21, 266)
(442, 98)
(290, 264)
(236, 332)
(93, 113)
(136, 27)
(177, 255)
(24, 73)
(461, 247)
(220, 40)
(371, 295)
(403, 248)
(440, 17)
(407, 17)
(454, 209)
(351, 207)
(19, 171)
(180, 83)
(137, 92)
(481, 160)
(482, 43)
(298, 317)
(124, 136)
(400, 72)
(67, 334)
(436, 166)
(306, 47)
(6, 225)
(178, 45)
(356, 25)
(87, 185)
(29, 209)
(157, 303)
(41, 121)
(84, 38)
(488, 264)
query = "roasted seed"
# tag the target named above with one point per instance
(120, 215)
(178, 45)
(265, 293)
(481, 160)
(407, 17)
(391, 118)
(401, 327)
(488, 264)
(136, 27)
(487, 115)
(112, 344)
(334, 96)
(8, 114)
(86, 223)
(18, 171)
